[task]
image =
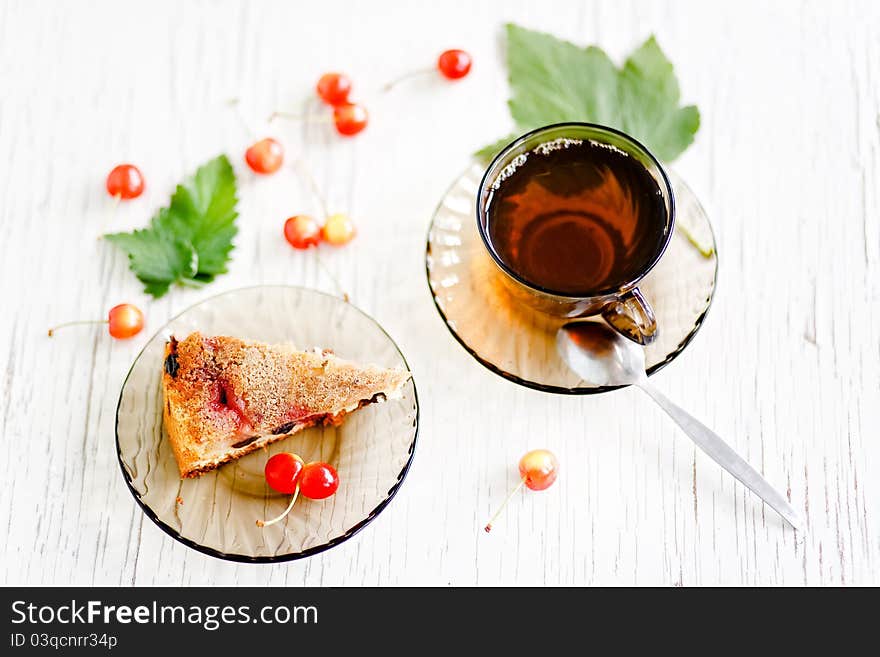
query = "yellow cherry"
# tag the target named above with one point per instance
(338, 229)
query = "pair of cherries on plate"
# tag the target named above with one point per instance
(289, 474)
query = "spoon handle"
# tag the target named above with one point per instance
(708, 441)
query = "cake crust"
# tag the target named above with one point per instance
(224, 397)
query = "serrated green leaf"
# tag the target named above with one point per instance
(207, 206)
(649, 95)
(486, 153)
(189, 241)
(157, 257)
(552, 81)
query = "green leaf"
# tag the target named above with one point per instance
(649, 95)
(189, 241)
(552, 80)
(207, 206)
(486, 153)
(157, 258)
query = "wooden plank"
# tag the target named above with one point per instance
(787, 366)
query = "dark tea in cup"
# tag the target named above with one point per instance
(575, 215)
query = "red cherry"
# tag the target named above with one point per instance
(266, 156)
(283, 472)
(537, 470)
(125, 181)
(124, 321)
(349, 118)
(318, 480)
(454, 64)
(333, 88)
(302, 232)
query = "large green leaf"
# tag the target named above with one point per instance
(552, 81)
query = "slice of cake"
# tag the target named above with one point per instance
(225, 397)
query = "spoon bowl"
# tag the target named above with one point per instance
(600, 355)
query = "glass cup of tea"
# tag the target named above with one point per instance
(574, 216)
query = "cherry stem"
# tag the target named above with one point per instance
(304, 118)
(406, 76)
(300, 167)
(111, 213)
(323, 265)
(78, 321)
(234, 104)
(191, 283)
(266, 523)
(488, 526)
(705, 251)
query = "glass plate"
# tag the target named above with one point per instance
(217, 512)
(518, 343)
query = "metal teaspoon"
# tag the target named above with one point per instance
(602, 356)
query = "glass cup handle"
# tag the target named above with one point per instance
(632, 316)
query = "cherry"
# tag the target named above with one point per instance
(286, 473)
(537, 471)
(302, 232)
(333, 88)
(349, 118)
(338, 230)
(124, 321)
(454, 63)
(223, 399)
(125, 181)
(265, 156)
(318, 480)
(283, 471)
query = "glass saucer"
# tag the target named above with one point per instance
(518, 343)
(217, 512)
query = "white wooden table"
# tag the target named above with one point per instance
(786, 367)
